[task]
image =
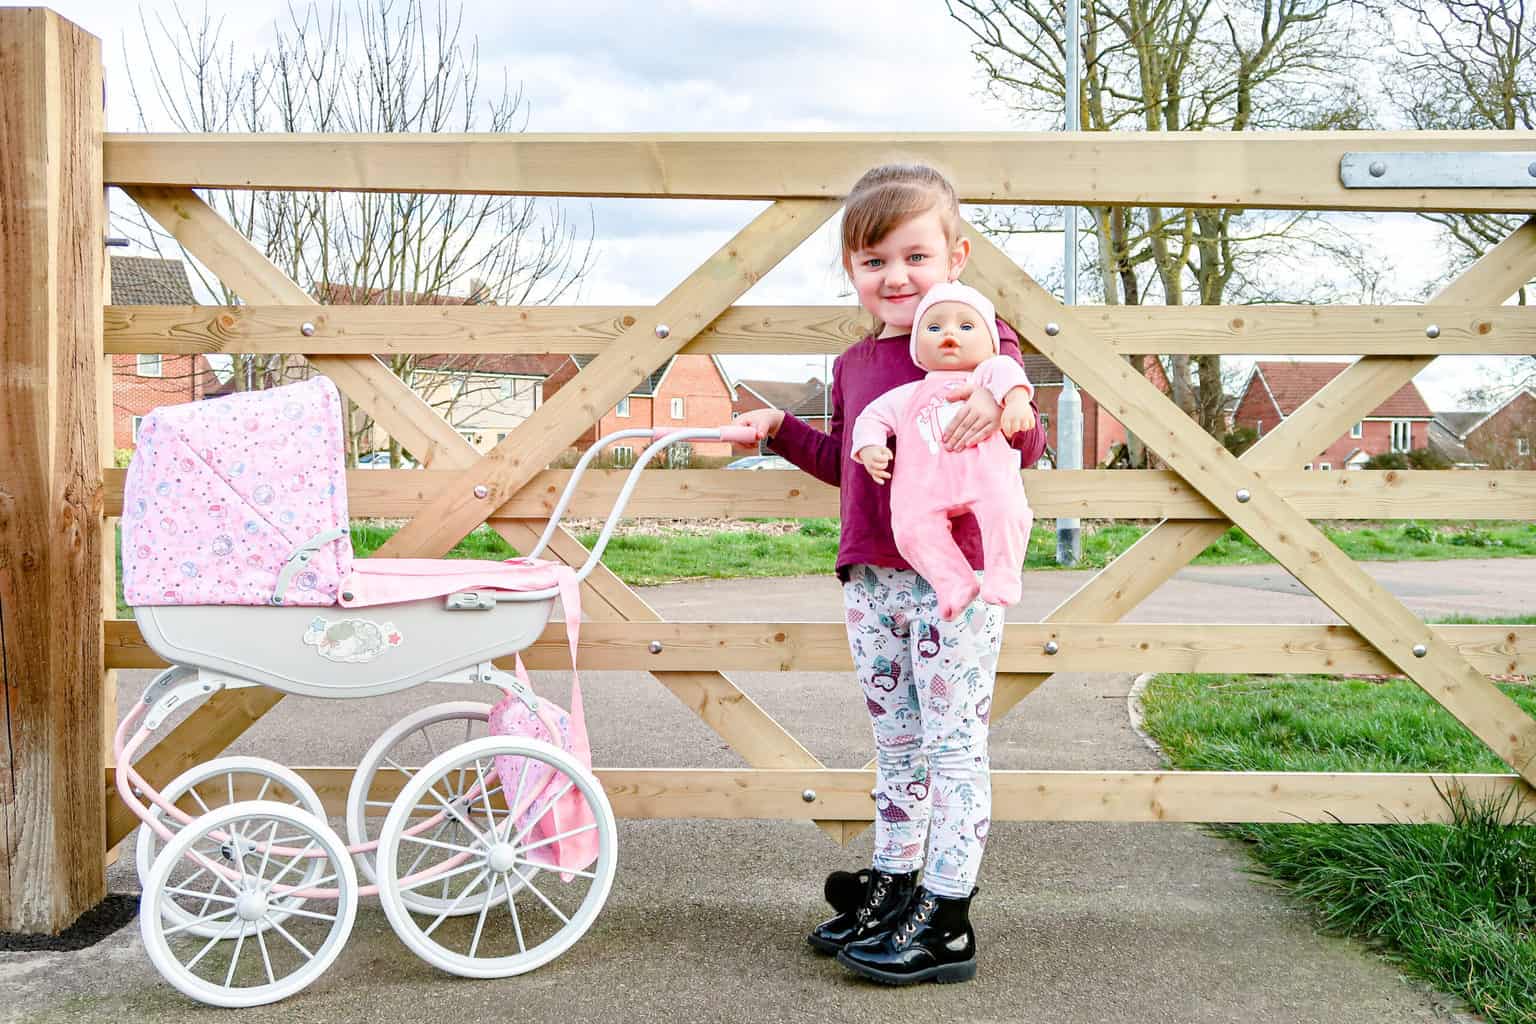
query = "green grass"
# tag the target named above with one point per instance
(1454, 905)
(811, 548)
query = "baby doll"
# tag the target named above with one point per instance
(954, 338)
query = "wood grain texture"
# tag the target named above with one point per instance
(1339, 331)
(1273, 170)
(51, 210)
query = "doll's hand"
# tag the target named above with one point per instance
(765, 421)
(877, 459)
(1017, 415)
(976, 421)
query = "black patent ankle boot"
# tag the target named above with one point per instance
(844, 890)
(930, 941)
(882, 902)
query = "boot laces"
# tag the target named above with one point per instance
(876, 899)
(922, 910)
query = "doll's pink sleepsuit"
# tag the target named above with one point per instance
(930, 484)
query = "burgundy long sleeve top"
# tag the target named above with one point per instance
(860, 375)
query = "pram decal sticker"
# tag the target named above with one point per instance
(351, 640)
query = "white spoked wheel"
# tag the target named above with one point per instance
(414, 740)
(529, 918)
(228, 870)
(220, 783)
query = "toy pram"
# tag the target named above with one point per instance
(494, 856)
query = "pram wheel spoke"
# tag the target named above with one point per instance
(414, 740)
(186, 919)
(216, 784)
(512, 861)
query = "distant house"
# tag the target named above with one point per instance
(482, 396)
(685, 391)
(1101, 431)
(143, 381)
(1505, 438)
(1275, 390)
(808, 400)
(1445, 434)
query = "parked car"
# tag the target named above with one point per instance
(756, 462)
(380, 460)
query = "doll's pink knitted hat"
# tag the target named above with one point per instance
(954, 291)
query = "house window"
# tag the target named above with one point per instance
(138, 421)
(1325, 466)
(501, 435)
(1358, 430)
(1045, 421)
(1307, 466)
(1402, 435)
(677, 408)
(1258, 428)
(622, 409)
(623, 455)
(507, 387)
(149, 366)
(470, 436)
(1522, 446)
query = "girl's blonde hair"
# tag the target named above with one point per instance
(890, 195)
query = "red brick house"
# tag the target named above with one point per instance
(142, 382)
(686, 391)
(1275, 390)
(1506, 437)
(809, 400)
(1101, 431)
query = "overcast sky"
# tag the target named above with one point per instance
(731, 65)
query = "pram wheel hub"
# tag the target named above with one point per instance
(251, 906)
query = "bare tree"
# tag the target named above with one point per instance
(1183, 65)
(1469, 64)
(384, 66)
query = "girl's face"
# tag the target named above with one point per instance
(894, 273)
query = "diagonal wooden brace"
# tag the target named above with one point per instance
(643, 346)
(1153, 560)
(1246, 500)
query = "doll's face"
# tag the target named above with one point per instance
(951, 336)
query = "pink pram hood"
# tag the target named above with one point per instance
(221, 493)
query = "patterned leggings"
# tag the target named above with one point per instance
(928, 686)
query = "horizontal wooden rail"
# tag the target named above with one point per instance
(802, 330)
(1274, 170)
(1086, 647)
(1101, 493)
(1143, 796)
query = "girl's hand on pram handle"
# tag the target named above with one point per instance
(763, 423)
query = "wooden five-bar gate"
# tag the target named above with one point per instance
(58, 815)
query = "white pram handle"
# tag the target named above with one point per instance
(661, 438)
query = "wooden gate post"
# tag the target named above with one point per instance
(52, 813)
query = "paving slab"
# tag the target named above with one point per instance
(1077, 921)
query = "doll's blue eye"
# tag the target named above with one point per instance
(966, 327)
(934, 328)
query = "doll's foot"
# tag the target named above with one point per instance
(950, 610)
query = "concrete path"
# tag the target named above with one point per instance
(1077, 922)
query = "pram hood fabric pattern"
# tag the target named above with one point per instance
(221, 493)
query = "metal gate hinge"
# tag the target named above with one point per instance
(1439, 170)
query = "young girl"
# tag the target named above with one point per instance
(927, 682)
